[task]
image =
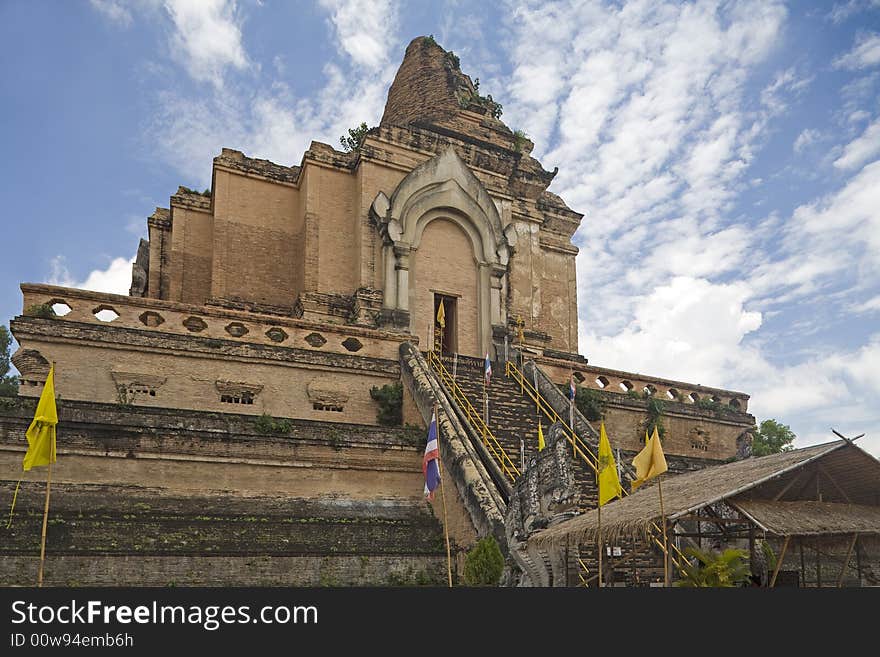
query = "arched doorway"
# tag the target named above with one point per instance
(443, 267)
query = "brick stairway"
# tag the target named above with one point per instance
(511, 415)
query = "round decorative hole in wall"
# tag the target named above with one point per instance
(352, 344)
(236, 329)
(151, 319)
(316, 340)
(276, 334)
(195, 324)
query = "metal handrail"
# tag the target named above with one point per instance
(489, 440)
(544, 406)
(578, 445)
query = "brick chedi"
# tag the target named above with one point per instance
(263, 312)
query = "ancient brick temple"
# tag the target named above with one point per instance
(234, 381)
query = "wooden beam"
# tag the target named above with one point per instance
(779, 561)
(803, 489)
(846, 560)
(791, 483)
(834, 483)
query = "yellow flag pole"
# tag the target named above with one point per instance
(665, 543)
(45, 519)
(599, 540)
(443, 500)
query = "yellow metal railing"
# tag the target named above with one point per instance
(490, 442)
(579, 447)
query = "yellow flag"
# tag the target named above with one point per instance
(609, 483)
(650, 462)
(441, 315)
(541, 444)
(646, 438)
(41, 433)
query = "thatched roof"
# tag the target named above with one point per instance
(682, 494)
(808, 518)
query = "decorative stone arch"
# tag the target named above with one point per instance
(444, 188)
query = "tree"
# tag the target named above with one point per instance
(714, 569)
(484, 563)
(8, 384)
(772, 438)
(355, 138)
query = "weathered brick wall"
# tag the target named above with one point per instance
(253, 239)
(144, 496)
(191, 249)
(445, 263)
(330, 204)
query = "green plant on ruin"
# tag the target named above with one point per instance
(355, 138)
(207, 192)
(707, 404)
(590, 403)
(390, 400)
(454, 60)
(8, 383)
(484, 563)
(707, 568)
(124, 396)
(520, 139)
(430, 40)
(267, 425)
(487, 102)
(654, 408)
(43, 310)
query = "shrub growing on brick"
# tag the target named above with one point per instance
(484, 563)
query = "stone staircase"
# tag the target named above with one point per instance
(513, 416)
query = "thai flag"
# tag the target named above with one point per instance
(571, 388)
(429, 463)
(488, 369)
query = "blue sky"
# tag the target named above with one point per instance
(726, 155)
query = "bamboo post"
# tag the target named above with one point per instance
(599, 541)
(779, 562)
(846, 560)
(45, 520)
(443, 501)
(665, 542)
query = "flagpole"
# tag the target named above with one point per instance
(599, 539)
(665, 544)
(45, 519)
(443, 501)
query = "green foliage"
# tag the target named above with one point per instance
(714, 569)
(43, 310)
(772, 438)
(266, 424)
(207, 192)
(590, 403)
(655, 416)
(769, 555)
(8, 383)
(390, 399)
(355, 138)
(484, 563)
(495, 109)
(430, 39)
(519, 140)
(708, 404)
(453, 59)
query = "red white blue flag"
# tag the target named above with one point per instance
(488, 369)
(430, 466)
(571, 388)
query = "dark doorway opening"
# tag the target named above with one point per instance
(445, 335)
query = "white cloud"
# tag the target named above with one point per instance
(363, 28)
(114, 10)
(871, 305)
(865, 53)
(805, 139)
(843, 10)
(116, 278)
(268, 120)
(861, 149)
(207, 38)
